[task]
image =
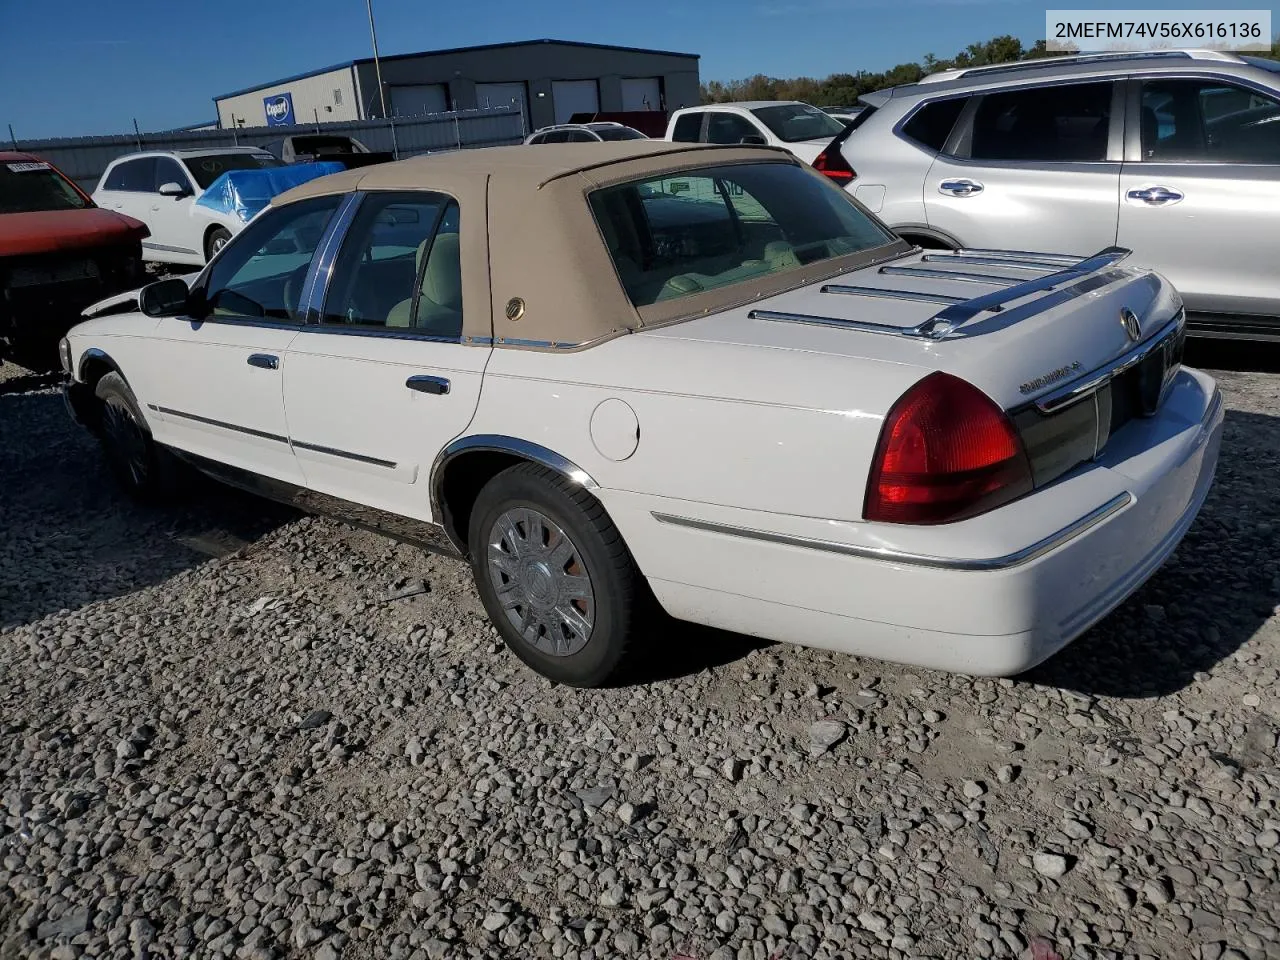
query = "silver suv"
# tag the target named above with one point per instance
(1172, 154)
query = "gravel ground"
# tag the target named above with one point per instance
(229, 731)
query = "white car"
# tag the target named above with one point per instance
(161, 188)
(714, 381)
(596, 132)
(798, 128)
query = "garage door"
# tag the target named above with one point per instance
(411, 100)
(641, 93)
(503, 95)
(575, 96)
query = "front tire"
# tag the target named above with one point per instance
(217, 239)
(144, 470)
(555, 576)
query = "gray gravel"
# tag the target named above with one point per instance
(227, 731)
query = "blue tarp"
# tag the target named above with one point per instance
(245, 192)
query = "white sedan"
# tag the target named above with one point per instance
(162, 189)
(700, 376)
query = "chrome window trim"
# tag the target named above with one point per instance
(321, 272)
(1015, 559)
(1087, 385)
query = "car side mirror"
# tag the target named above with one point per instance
(164, 298)
(754, 140)
(172, 189)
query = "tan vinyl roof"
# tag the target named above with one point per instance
(535, 269)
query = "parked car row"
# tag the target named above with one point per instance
(716, 385)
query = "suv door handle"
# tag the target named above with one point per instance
(424, 384)
(960, 188)
(1156, 196)
(264, 360)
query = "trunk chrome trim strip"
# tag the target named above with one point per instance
(1084, 386)
(888, 294)
(838, 322)
(1060, 258)
(1012, 262)
(1017, 558)
(935, 273)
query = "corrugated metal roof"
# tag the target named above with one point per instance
(451, 50)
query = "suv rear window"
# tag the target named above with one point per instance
(207, 169)
(931, 124)
(1055, 124)
(681, 234)
(27, 186)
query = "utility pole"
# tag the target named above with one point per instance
(136, 133)
(377, 64)
(12, 137)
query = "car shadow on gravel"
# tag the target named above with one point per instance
(1219, 587)
(676, 649)
(70, 537)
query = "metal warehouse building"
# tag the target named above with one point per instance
(550, 80)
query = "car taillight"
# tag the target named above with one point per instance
(832, 165)
(946, 452)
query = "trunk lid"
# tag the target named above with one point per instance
(1051, 320)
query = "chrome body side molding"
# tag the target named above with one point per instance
(1015, 559)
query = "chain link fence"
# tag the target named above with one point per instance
(83, 159)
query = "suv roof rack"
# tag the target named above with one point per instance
(1048, 63)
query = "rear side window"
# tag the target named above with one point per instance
(688, 126)
(931, 124)
(1051, 124)
(1205, 121)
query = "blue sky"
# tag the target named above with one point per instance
(78, 67)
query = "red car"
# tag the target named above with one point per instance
(59, 253)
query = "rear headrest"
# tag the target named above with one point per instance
(442, 282)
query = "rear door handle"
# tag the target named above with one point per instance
(264, 360)
(960, 188)
(424, 384)
(1155, 196)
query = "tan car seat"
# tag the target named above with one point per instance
(440, 299)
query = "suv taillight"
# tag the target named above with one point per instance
(832, 164)
(946, 452)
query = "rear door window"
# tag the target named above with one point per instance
(1055, 124)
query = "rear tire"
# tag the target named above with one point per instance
(216, 240)
(145, 470)
(555, 576)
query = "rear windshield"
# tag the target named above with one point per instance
(618, 133)
(27, 186)
(793, 122)
(210, 168)
(674, 236)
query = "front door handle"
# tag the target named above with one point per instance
(264, 360)
(1155, 196)
(424, 384)
(960, 188)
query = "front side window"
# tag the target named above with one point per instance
(27, 186)
(169, 170)
(209, 168)
(729, 128)
(793, 122)
(678, 235)
(1208, 122)
(688, 127)
(134, 176)
(260, 274)
(1055, 124)
(400, 267)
